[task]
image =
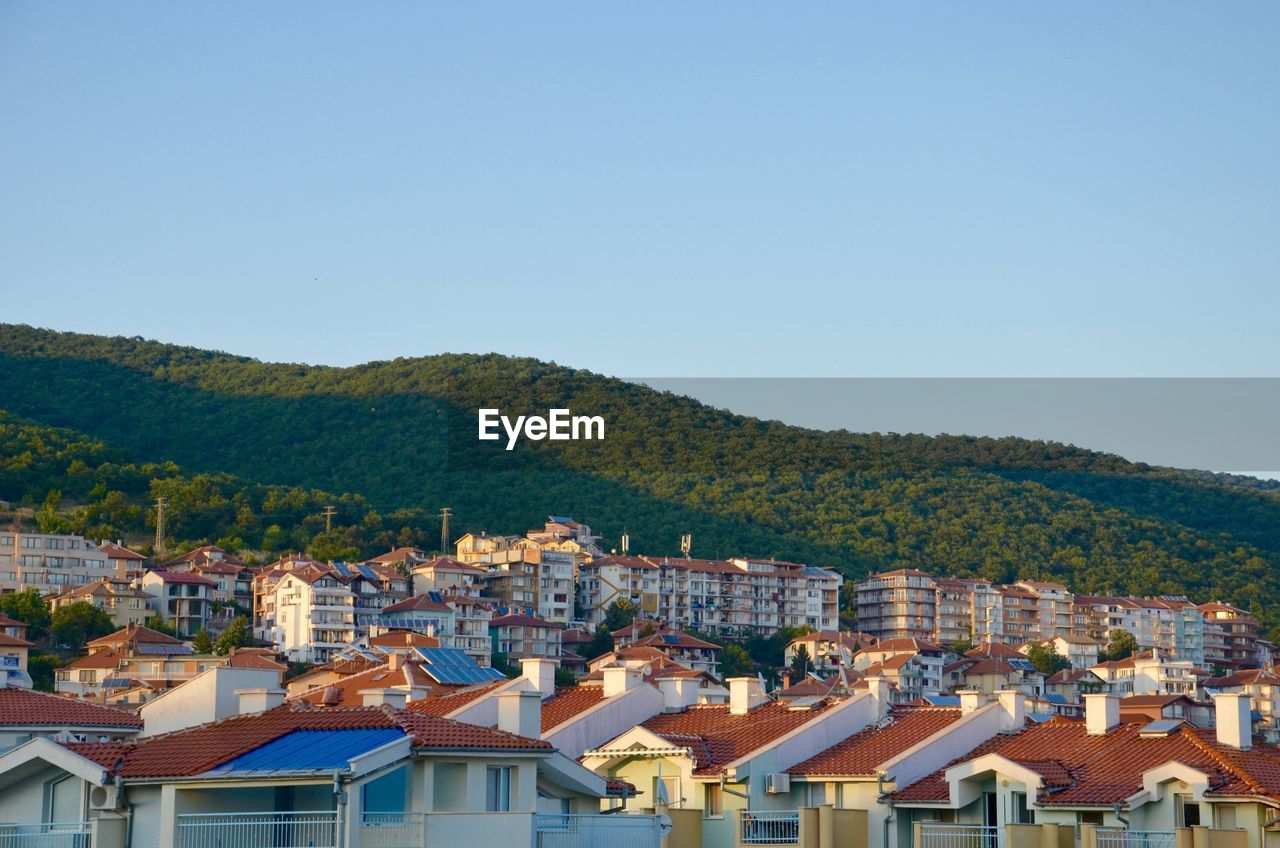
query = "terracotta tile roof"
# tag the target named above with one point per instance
(345, 692)
(106, 658)
(23, 707)
(6, 621)
(7, 641)
(718, 738)
(623, 561)
(567, 703)
(907, 643)
(448, 563)
(1246, 677)
(194, 751)
(418, 602)
(1080, 769)
(403, 639)
(132, 634)
(662, 639)
(114, 551)
(251, 659)
(442, 705)
(185, 577)
(995, 649)
(861, 753)
(813, 686)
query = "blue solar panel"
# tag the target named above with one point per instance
(306, 750)
(943, 700)
(454, 668)
(1022, 665)
(117, 683)
(1040, 717)
(367, 571)
(162, 650)
(1056, 699)
(671, 639)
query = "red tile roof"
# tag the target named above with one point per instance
(718, 737)
(6, 621)
(1080, 769)
(662, 639)
(106, 658)
(252, 659)
(569, 702)
(418, 602)
(185, 577)
(521, 620)
(134, 633)
(7, 641)
(995, 649)
(861, 753)
(25, 707)
(403, 639)
(194, 751)
(114, 551)
(442, 705)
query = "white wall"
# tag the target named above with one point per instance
(209, 696)
(610, 718)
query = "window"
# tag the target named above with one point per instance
(1186, 811)
(1225, 815)
(6, 540)
(1021, 815)
(714, 803)
(30, 542)
(669, 785)
(497, 796)
(53, 544)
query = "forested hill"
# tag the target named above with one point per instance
(249, 452)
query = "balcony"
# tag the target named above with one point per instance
(769, 828)
(55, 835)
(256, 830)
(586, 831)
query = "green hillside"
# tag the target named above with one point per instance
(250, 452)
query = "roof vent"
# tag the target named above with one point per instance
(1160, 728)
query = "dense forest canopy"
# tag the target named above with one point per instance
(249, 453)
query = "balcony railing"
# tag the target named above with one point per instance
(1114, 837)
(771, 828)
(258, 830)
(961, 836)
(46, 835)
(587, 831)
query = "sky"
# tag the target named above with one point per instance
(648, 190)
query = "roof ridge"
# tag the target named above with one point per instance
(1223, 761)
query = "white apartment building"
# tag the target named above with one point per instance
(312, 615)
(51, 563)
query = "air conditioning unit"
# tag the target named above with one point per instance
(107, 797)
(776, 784)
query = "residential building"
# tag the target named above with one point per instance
(125, 564)
(1150, 673)
(483, 548)
(444, 574)
(828, 650)
(1080, 651)
(312, 614)
(676, 645)
(1230, 637)
(520, 636)
(183, 599)
(913, 666)
(121, 599)
(898, 604)
(427, 613)
(50, 563)
(14, 649)
(27, 715)
(1262, 687)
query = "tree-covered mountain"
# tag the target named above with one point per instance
(251, 452)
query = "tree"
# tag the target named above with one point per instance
(565, 677)
(1122, 645)
(202, 643)
(29, 608)
(801, 663)
(156, 622)
(75, 624)
(601, 643)
(735, 662)
(49, 518)
(41, 667)
(234, 636)
(620, 614)
(1046, 659)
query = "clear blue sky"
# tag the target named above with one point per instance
(653, 189)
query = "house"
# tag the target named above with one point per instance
(828, 649)
(121, 599)
(305, 775)
(725, 762)
(1150, 673)
(183, 599)
(678, 646)
(914, 666)
(125, 564)
(48, 562)
(520, 636)
(426, 613)
(26, 715)
(1141, 709)
(1262, 686)
(1080, 651)
(1073, 684)
(445, 574)
(312, 613)
(14, 649)
(1146, 777)
(989, 675)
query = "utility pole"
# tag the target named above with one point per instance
(444, 531)
(329, 513)
(161, 503)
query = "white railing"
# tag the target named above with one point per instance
(1115, 837)
(935, 835)
(587, 831)
(258, 830)
(391, 830)
(46, 835)
(769, 828)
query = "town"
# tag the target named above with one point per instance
(534, 689)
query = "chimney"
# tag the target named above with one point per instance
(679, 692)
(395, 661)
(520, 713)
(619, 679)
(1101, 713)
(259, 700)
(541, 673)
(377, 697)
(1233, 716)
(1014, 706)
(970, 700)
(745, 693)
(879, 689)
(785, 676)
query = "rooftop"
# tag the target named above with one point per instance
(27, 708)
(861, 753)
(718, 737)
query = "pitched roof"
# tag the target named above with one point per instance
(194, 751)
(443, 704)
(418, 602)
(861, 753)
(134, 633)
(568, 702)
(675, 639)
(1079, 769)
(522, 620)
(105, 658)
(7, 641)
(185, 577)
(252, 659)
(995, 649)
(403, 639)
(114, 551)
(6, 621)
(718, 737)
(25, 707)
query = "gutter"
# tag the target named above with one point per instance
(880, 778)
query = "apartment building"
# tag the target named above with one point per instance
(124, 563)
(828, 650)
(1230, 636)
(520, 636)
(898, 604)
(310, 614)
(50, 563)
(121, 599)
(736, 597)
(445, 574)
(183, 599)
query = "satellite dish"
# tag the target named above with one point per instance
(648, 670)
(664, 825)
